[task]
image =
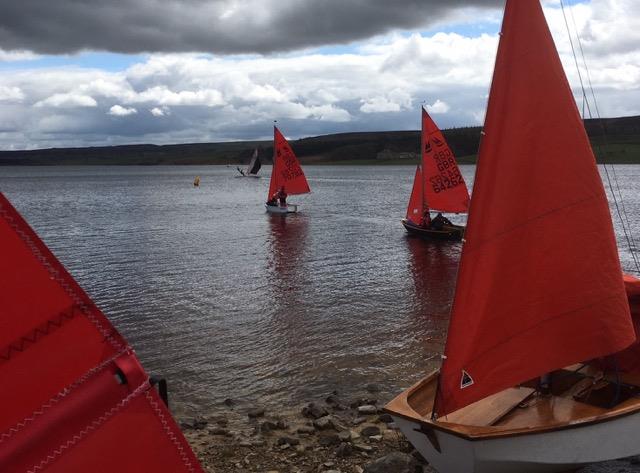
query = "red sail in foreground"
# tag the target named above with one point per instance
(539, 285)
(444, 186)
(286, 169)
(628, 360)
(416, 207)
(74, 396)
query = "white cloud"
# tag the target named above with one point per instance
(160, 111)
(438, 107)
(120, 111)
(11, 94)
(376, 86)
(8, 56)
(67, 100)
(379, 105)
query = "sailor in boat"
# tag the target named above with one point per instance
(439, 221)
(425, 221)
(282, 197)
(240, 170)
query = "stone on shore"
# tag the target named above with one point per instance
(314, 411)
(370, 431)
(325, 423)
(367, 409)
(255, 412)
(287, 441)
(395, 462)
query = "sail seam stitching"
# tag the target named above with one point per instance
(57, 398)
(44, 329)
(94, 425)
(55, 274)
(542, 322)
(503, 233)
(170, 433)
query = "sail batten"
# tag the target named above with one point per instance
(539, 285)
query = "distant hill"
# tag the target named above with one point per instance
(615, 140)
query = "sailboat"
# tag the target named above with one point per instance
(75, 397)
(438, 185)
(253, 167)
(287, 177)
(532, 378)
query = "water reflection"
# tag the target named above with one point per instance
(433, 268)
(286, 240)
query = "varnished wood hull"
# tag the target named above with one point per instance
(503, 448)
(278, 210)
(448, 232)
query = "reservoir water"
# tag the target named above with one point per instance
(226, 301)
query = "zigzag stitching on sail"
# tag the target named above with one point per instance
(186, 460)
(81, 304)
(94, 425)
(10, 432)
(36, 334)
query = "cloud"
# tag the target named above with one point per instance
(438, 107)
(216, 26)
(374, 86)
(10, 94)
(17, 55)
(67, 100)
(379, 104)
(120, 111)
(160, 111)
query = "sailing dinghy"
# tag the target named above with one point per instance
(540, 296)
(253, 167)
(287, 177)
(75, 397)
(438, 185)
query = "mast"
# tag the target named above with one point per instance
(425, 203)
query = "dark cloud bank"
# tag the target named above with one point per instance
(216, 26)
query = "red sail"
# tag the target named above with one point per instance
(75, 397)
(539, 285)
(444, 186)
(416, 202)
(286, 169)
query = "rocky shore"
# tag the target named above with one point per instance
(332, 435)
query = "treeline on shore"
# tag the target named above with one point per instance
(615, 140)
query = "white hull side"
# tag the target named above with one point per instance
(276, 209)
(544, 452)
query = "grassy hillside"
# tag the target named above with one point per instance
(615, 140)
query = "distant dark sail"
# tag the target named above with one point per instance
(255, 164)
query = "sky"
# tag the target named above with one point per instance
(79, 73)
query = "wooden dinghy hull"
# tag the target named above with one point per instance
(452, 448)
(448, 232)
(278, 210)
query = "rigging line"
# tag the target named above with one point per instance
(626, 220)
(629, 238)
(605, 137)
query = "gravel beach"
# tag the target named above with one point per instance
(331, 435)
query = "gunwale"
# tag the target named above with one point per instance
(424, 392)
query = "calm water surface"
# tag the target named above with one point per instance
(225, 300)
